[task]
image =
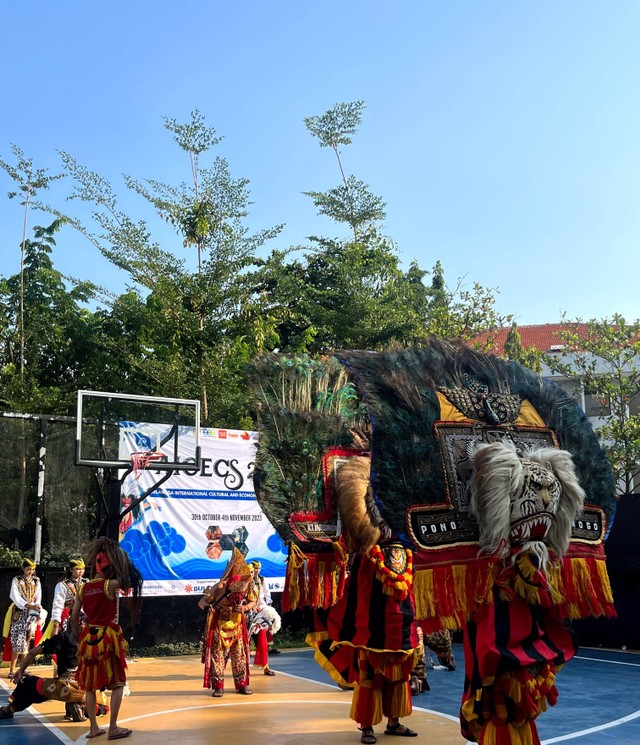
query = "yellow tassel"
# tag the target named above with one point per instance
(295, 562)
(581, 576)
(460, 587)
(322, 567)
(488, 736)
(604, 581)
(423, 594)
(334, 587)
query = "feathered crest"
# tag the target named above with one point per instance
(304, 406)
(400, 388)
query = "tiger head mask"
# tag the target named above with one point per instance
(528, 503)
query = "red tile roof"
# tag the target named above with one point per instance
(544, 337)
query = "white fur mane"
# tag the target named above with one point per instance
(498, 474)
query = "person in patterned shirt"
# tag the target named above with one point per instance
(25, 612)
(65, 594)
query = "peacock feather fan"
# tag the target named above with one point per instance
(399, 388)
(304, 406)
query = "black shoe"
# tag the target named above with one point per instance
(75, 712)
(275, 650)
(6, 713)
(245, 691)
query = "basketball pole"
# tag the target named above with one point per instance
(42, 459)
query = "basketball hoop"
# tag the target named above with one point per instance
(139, 461)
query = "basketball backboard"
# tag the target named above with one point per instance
(113, 426)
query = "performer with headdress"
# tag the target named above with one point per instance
(65, 594)
(25, 615)
(225, 635)
(265, 622)
(489, 474)
(101, 645)
(368, 639)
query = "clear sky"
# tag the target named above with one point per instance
(503, 135)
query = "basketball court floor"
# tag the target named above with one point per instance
(599, 705)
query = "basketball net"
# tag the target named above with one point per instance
(139, 461)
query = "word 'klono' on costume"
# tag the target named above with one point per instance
(489, 475)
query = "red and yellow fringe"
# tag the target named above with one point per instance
(447, 594)
(503, 711)
(101, 655)
(383, 687)
(314, 580)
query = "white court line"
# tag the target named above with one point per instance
(562, 738)
(608, 662)
(305, 702)
(591, 730)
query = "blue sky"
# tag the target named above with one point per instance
(504, 136)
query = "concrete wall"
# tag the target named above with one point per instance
(162, 620)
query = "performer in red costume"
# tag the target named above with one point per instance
(225, 634)
(265, 622)
(101, 646)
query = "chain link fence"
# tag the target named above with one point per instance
(66, 506)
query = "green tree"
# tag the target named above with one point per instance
(352, 201)
(461, 312)
(188, 314)
(29, 181)
(514, 351)
(602, 358)
(56, 330)
(353, 293)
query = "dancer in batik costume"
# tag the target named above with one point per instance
(25, 615)
(265, 623)
(225, 635)
(65, 594)
(32, 689)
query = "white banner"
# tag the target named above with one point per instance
(181, 536)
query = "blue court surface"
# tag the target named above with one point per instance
(599, 703)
